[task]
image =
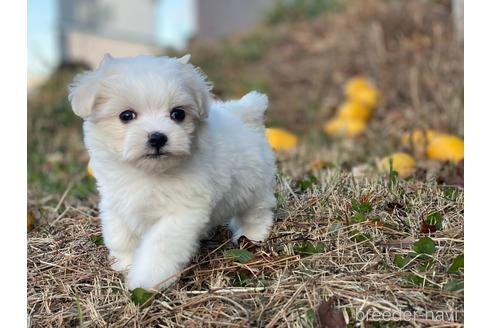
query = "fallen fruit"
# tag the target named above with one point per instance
(344, 127)
(362, 90)
(418, 138)
(354, 110)
(281, 139)
(402, 163)
(446, 147)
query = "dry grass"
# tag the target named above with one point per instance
(280, 285)
(408, 48)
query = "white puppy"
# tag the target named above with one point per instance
(171, 163)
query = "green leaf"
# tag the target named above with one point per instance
(425, 266)
(454, 285)
(393, 176)
(241, 279)
(355, 204)
(140, 296)
(240, 255)
(307, 183)
(97, 239)
(359, 217)
(309, 248)
(358, 236)
(310, 316)
(424, 245)
(435, 219)
(401, 261)
(364, 207)
(458, 263)
(415, 279)
(451, 193)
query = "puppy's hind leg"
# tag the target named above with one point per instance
(255, 223)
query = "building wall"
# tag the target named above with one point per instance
(90, 48)
(458, 14)
(91, 28)
(218, 18)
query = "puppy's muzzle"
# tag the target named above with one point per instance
(157, 140)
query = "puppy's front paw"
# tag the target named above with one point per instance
(120, 261)
(151, 277)
(255, 224)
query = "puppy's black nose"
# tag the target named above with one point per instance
(157, 140)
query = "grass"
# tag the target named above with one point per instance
(294, 10)
(57, 156)
(345, 232)
(316, 251)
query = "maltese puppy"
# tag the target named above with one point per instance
(171, 163)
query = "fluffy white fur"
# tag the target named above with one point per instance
(218, 166)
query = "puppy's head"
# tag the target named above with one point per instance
(142, 110)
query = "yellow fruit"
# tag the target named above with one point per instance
(418, 138)
(403, 163)
(446, 147)
(89, 170)
(281, 139)
(344, 127)
(354, 110)
(367, 96)
(362, 90)
(356, 83)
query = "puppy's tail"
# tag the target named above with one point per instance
(251, 110)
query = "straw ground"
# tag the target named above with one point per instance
(71, 283)
(344, 231)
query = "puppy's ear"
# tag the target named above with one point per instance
(83, 90)
(203, 99)
(185, 59)
(82, 93)
(202, 92)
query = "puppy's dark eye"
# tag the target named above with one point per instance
(178, 114)
(128, 115)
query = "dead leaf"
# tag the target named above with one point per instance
(329, 316)
(395, 208)
(427, 228)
